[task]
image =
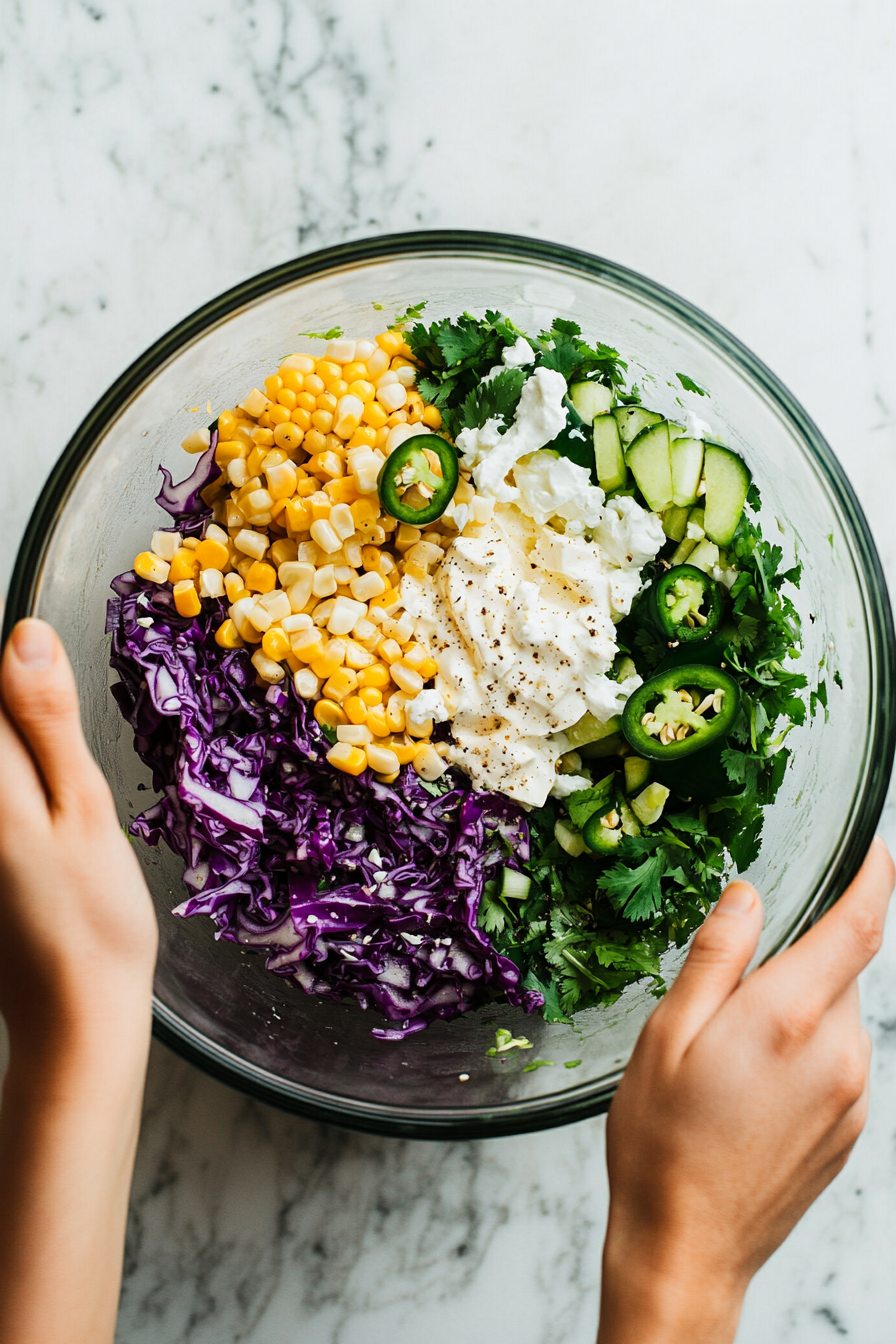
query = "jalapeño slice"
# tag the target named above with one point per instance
(410, 490)
(685, 604)
(599, 838)
(680, 711)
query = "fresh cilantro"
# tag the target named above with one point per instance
(412, 313)
(572, 1064)
(329, 733)
(332, 335)
(539, 1064)
(636, 892)
(496, 399)
(505, 1041)
(436, 787)
(690, 386)
(585, 802)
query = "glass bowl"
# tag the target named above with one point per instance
(217, 1005)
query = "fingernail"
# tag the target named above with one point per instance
(737, 899)
(33, 643)
(880, 842)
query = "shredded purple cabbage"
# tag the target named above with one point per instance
(348, 885)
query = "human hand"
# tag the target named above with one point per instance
(742, 1101)
(77, 930)
(77, 949)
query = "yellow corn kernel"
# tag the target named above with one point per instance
(307, 487)
(251, 543)
(327, 370)
(375, 416)
(382, 437)
(327, 665)
(234, 587)
(324, 581)
(382, 759)
(363, 437)
(261, 578)
(308, 645)
(414, 655)
(365, 511)
(319, 505)
(272, 385)
(303, 363)
(415, 570)
(349, 410)
(287, 397)
(301, 418)
(242, 565)
(404, 750)
(428, 668)
(376, 721)
(279, 507)
(428, 763)
(306, 400)
(391, 342)
(330, 465)
(322, 420)
(386, 600)
(212, 554)
(293, 663)
(421, 730)
(293, 379)
(407, 536)
(395, 715)
(370, 696)
(326, 538)
(337, 388)
(341, 490)
(353, 370)
(357, 657)
(329, 715)
(276, 644)
(186, 598)
(229, 451)
(406, 678)
(298, 515)
(227, 635)
(376, 675)
(363, 390)
(432, 417)
(255, 459)
(151, 567)
(282, 551)
(282, 480)
(278, 415)
(351, 760)
(355, 709)
(266, 668)
(304, 680)
(226, 424)
(289, 435)
(326, 402)
(183, 566)
(313, 385)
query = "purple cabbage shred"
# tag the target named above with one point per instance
(352, 887)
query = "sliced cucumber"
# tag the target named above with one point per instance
(625, 669)
(609, 459)
(727, 482)
(687, 469)
(515, 886)
(632, 419)
(675, 521)
(676, 431)
(590, 399)
(637, 773)
(648, 806)
(607, 746)
(589, 729)
(705, 556)
(629, 820)
(569, 839)
(650, 462)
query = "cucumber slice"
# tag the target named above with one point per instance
(687, 469)
(682, 553)
(589, 729)
(629, 820)
(705, 556)
(676, 431)
(608, 456)
(727, 482)
(651, 465)
(648, 806)
(590, 399)
(569, 839)
(637, 773)
(515, 886)
(607, 746)
(675, 521)
(632, 419)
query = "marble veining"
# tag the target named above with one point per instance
(156, 154)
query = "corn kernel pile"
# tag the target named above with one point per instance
(307, 560)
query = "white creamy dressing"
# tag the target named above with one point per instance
(520, 616)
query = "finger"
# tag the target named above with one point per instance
(22, 795)
(40, 697)
(718, 957)
(817, 969)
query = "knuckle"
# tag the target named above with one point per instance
(847, 1081)
(867, 931)
(795, 1027)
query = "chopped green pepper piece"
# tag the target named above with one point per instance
(409, 489)
(685, 604)
(680, 711)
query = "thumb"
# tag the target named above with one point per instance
(719, 955)
(41, 699)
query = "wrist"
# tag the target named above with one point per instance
(663, 1290)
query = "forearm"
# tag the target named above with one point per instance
(68, 1133)
(658, 1296)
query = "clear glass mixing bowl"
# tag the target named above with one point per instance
(217, 1005)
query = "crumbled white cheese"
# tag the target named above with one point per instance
(695, 428)
(426, 705)
(551, 486)
(564, 785)
(606, 697)
(539, 418)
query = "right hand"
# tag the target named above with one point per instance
(742, 1101)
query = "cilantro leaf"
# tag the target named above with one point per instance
(635, 891)
(689, 385)
(332, 335)
(497, 399)
(585, 802)
(412, 313)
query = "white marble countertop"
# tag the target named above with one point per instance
(153, 156)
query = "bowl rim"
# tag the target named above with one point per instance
(589, 1099)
